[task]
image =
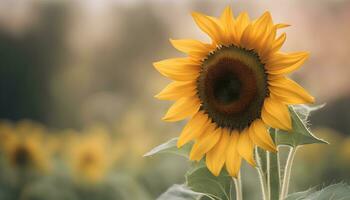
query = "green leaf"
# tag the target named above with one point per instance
(300, 134)
(301, 195)
(180, 192)
(170, 147)
(304, 111)
(199, 179)
(336, 191)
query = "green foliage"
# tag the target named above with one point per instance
(336, 191)
(273, 175)
(180, 192)
(170, 147)
(114, 187)
(125, 186)
(300, 134)
(304, 111)
(199, 179)
(53, 188)
(201, 184)
(16, 184)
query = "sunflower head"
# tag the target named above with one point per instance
(7, 133)
(232, 89)
(88, 155)
(24, 148)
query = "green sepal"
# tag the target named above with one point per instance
(300, 134)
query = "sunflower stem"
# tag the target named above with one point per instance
(287, 172)
(263, 184)
(261, 168)
(273, 172)
(238, 186)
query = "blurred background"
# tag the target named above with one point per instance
(77, 84)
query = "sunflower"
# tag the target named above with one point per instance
(7, 133)
(232, 89)
(88, 155)
(25, 149)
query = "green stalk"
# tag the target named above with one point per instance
(238, 187)
(287, 172)
(273, 172)
(261, 168)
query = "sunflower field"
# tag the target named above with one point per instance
(257, 93)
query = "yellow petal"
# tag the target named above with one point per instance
(265, 45)
(233, 159)
(276, 114)
(257, 32)
(279, 42)
(177, 90)
(261, 25)
(264, 33)
(194, 128)
(279, 26)
(241, 24)
(260, 136)
(182, 108)
(227, 15)
(209, 26)
(216, 157)
(180, 69)
(245, 147)
(289, 92)
(199, 55)
(188, 46)
(273, 45)
(205, 142)
(282, 63)
(228, 25)
(246, 37)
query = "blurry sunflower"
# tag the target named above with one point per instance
(24, 149)
(232, 89)
(88, 155)
(7, 133)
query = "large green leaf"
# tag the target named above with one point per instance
(199, 179)
(180, 192)
(300, 134)
(170, 147)
(340, 191)
(201, 184)
(301, 195)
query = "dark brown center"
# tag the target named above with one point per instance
(232, 87)
(88, 160)
(21, 157)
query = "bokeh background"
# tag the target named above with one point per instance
(77, 84)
